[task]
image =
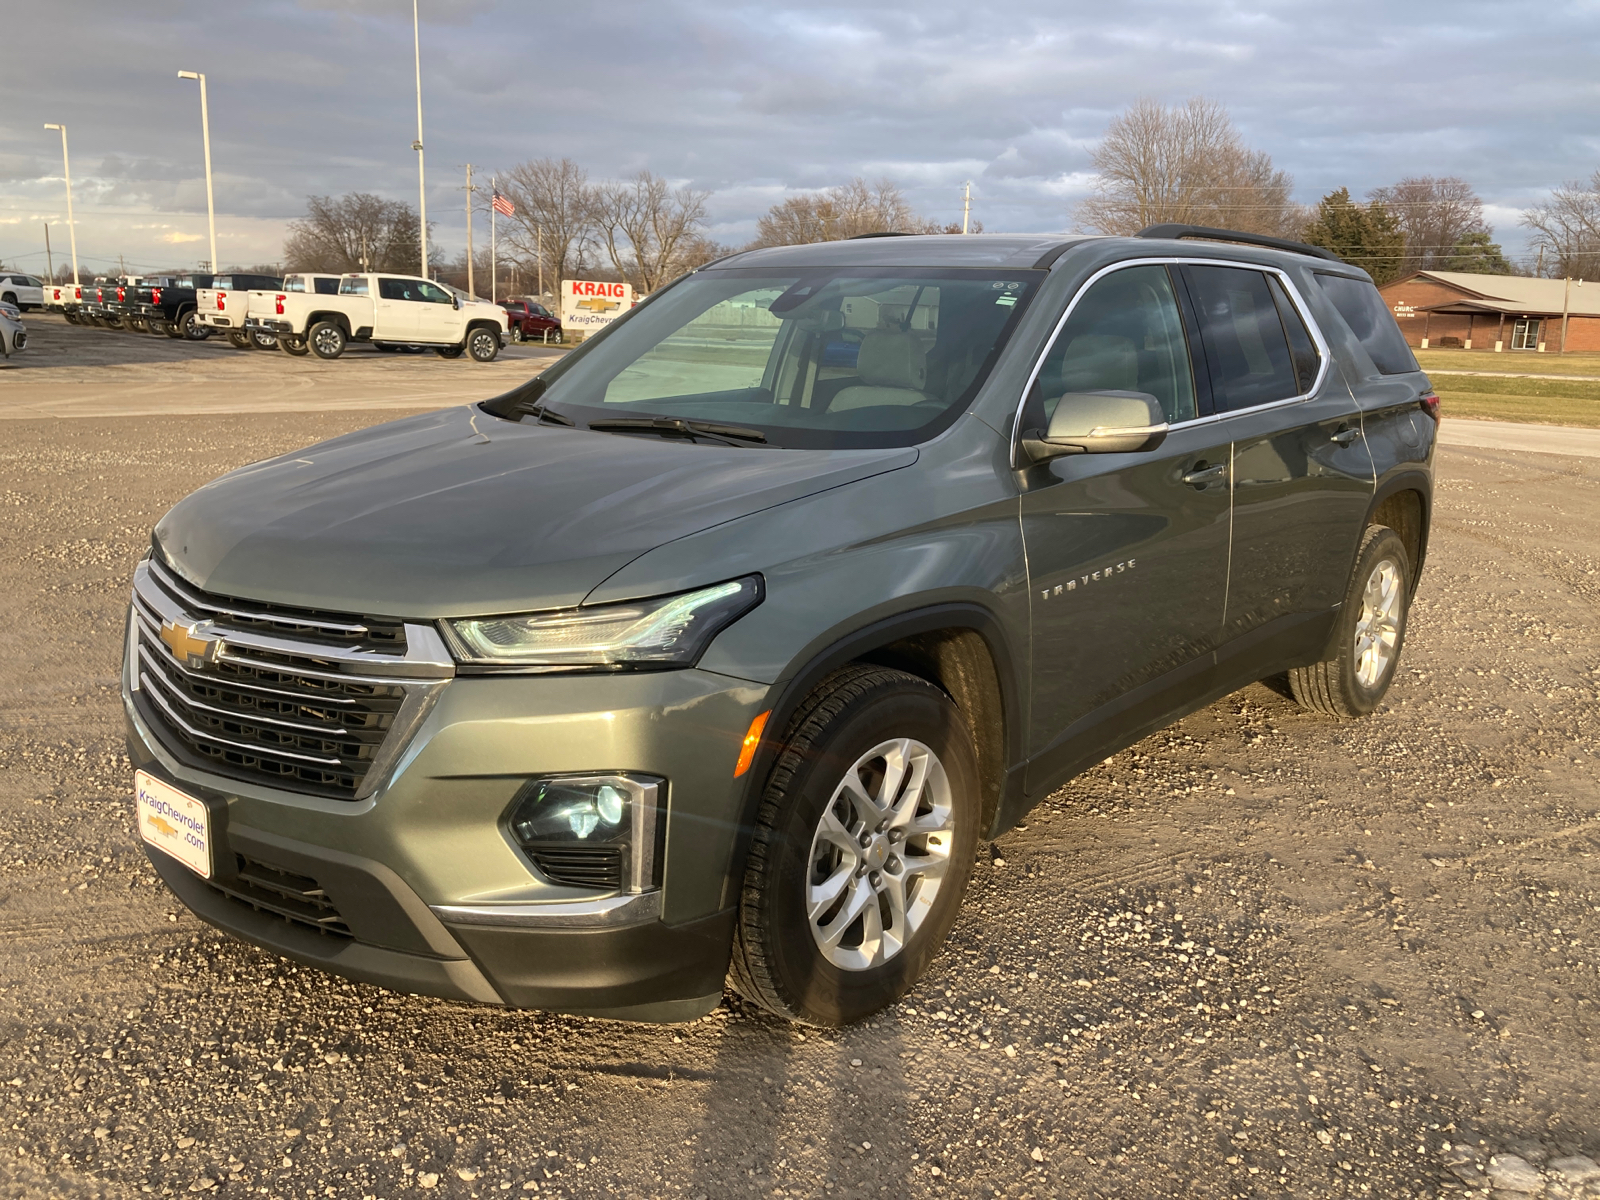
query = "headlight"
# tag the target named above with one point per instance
(671, 631)
(592, 831)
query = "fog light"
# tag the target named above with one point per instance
(592, 831)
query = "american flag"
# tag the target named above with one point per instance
(502, 206)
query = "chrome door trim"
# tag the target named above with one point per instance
(1324, 354)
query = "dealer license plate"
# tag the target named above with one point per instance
(173, 822)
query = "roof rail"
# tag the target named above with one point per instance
(856, 237)
(1206, 233)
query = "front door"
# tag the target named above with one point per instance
(1127, 553)
(438, 319)
(1302, 475)
(398, 311)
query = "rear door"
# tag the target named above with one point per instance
(1127, 553)
(1302, 476)
(398, 316)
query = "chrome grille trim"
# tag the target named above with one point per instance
(292, 712)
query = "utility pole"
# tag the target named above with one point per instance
(470, 189)
(72, 229)
(422, 179)
(539, 242)
(966, 206)
(50, 263)
(122, 268)
(1566, 309)
(364, 267)
(205, 128)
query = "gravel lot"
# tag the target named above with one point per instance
(1261, 953)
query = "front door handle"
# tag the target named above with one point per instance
(1205, 475)
(1345, 436)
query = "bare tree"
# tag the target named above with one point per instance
(1567, 228)
(553, 217)
(355, 232)
(840, 212)
(646, 225)
(1434, 213)
(1188, 165)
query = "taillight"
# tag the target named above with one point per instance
(155, 295)
(280, 306)
(122, 294)
(222, 301)
(1430, 404)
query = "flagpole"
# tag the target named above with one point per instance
(494, 278)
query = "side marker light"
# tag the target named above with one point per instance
(747, 751)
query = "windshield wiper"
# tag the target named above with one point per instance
(677, 425)
(544, 412)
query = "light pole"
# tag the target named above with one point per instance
(422, 178)
(205, 130)
(72, 230)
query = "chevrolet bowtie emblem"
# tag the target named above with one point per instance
(188, 648)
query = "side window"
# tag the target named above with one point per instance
(1246, 346)
(1371, 321)
(293, 283)
(396, 289)
(1124, 335)
(353, 285)
(325, 287)
(432, 293)
(1302, 350)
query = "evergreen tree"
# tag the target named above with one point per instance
(1477, 254)
(1364, 235)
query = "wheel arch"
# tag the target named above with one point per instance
(959, 647)
(1404, 502)
(334, 315)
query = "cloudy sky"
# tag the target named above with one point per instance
(752, 102)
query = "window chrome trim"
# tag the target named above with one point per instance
(1324, 355)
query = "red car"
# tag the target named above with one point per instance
(531, 322)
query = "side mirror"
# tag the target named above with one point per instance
(1099, 423)
(455, 300)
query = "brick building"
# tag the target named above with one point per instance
(1495, 312)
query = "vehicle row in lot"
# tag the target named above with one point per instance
(20, 291)
(306, 312)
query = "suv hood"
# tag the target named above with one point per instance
(458, 513)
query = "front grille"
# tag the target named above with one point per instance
(580, 866)
(298, 899)
(297, 698)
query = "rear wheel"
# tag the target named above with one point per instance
(192, 327)
(262, 340)
(295, 346)
(327, 340)
(517, 335)
(483, 344)
(862, 848)
(448, 351)
(136, 325)
(237, 339)
(156, 328)
(1371, 632)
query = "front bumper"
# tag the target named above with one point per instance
(428, 892)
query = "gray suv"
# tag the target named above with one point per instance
(714, 651)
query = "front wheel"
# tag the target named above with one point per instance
(483, 344)
(327, 340)
(862, 848)
(1371, 632)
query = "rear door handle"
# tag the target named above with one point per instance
(1345, 436)
(1205, 475)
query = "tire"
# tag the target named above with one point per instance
(72, 317)
(517, 336)
(238, 339)
(448, 351)
(326, 339)
(173, 329)
(807, 836)
(263, 341)
(1371, 633)
(294, 346)
(9, 298)
(385, 347)
(136, 325)
(192, 327)
(156, 328)
(483, 344)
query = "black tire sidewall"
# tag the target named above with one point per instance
(311, 340)
(474, 336)
(1384, 544)
(823, 993)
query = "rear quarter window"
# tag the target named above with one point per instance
(1363, 309)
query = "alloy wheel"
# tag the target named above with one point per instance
(1378, 628)
(879, 854)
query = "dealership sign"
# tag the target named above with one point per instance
(590, 306)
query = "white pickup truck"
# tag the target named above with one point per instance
(268, 302)
(226, 303)
(393, 309)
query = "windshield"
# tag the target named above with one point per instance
(820, 359)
